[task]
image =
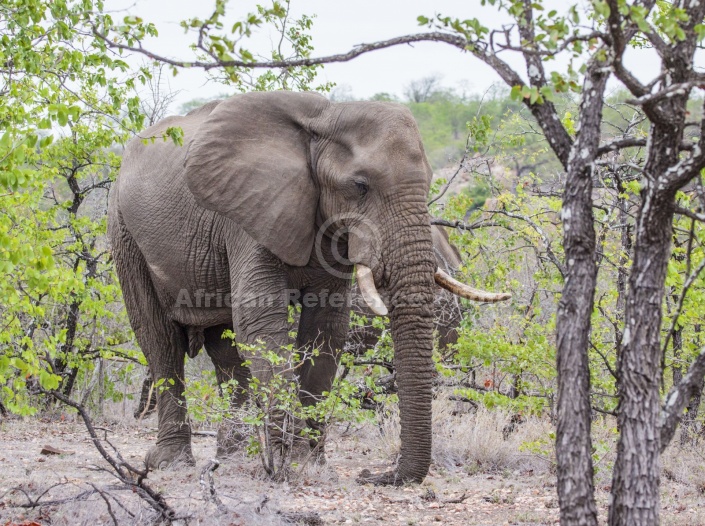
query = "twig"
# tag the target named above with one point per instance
(33, 503)
(121, 468)
(262, 504)
(604, 359)
(450, 181)
(381, 363)
(456, 398)
(107, 502)
(603, 411)
(209, 494)
(464, 226)
(458, 500)
(679, 308)
(204, 433)
(544, 237)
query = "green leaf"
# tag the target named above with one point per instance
(515, 93)
(601, 8)
(48, 380)
(62, 115)
(534, 96)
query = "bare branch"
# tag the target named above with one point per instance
(593, 35)
(107, 502)
(633, 142)
(152, 497)
(464, 226)
(604, 360)
(361, 49)
(450, 181)
(673, 90)
(209, 493)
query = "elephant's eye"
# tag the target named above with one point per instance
(362, 188)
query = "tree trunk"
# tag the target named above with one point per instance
(573, 443)
(635, 483)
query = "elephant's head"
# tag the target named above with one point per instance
(283, 165)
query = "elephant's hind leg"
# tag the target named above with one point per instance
(228, 366)
(163, 343)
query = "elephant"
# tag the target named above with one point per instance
(447, 312)
(275, 199)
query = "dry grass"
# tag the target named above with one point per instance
(684, 464)
(474, 441)
(504, 484)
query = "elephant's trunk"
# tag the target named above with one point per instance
(410, 266)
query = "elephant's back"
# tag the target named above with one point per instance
(154, 200)
(182, 243)
(153, 165)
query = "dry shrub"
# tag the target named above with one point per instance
(476, 440)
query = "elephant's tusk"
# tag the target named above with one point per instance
(461, 289)
(369, 291)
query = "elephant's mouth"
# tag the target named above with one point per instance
(376, 304)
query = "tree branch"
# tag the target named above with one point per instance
(633, 142)
(435, 36)
(544, 237)
(450, 181)
(620, 39)
(464, 226)
(152, 497)
(545, 113)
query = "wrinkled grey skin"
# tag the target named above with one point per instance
(236, 210)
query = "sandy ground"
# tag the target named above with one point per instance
(447, 496)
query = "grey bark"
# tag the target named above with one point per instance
(573, 442)
(636, 477)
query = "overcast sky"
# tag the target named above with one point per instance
(340, 25)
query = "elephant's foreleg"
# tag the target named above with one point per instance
(260, 319)
(163, 343)
(323, 326)
(228, 366)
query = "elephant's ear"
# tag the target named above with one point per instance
(250, 161)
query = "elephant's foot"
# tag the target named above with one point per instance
(298, 446)
(163, 456)
(230, 442)
(304, 451)
(390, 478)
(313, 449)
